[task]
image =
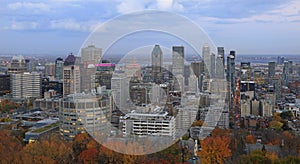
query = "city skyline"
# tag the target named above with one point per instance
(59, 27)
(141, 81)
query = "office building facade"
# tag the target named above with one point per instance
(71, 80)
(59, 68)
(26, 85)
(80, 113)
(178, 60)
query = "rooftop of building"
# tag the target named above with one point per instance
(43, 123)
(156, 113)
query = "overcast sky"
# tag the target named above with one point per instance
(61, 26)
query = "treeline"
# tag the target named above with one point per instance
(83, 149)
(221, 147)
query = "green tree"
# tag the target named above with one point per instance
(290, 160)
(277, 125)
(256, 157)
(286, 115)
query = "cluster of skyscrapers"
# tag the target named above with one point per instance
(155, 99)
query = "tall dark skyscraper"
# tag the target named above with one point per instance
(287, 72)
(230, 76)
(220, 63)
(290, 67)
(59, 68)
(280, 60)
(271, 69)
(178, 60)
(157, 62)
(220, 67)
(230, 66)
(29, 65)
(4, 84)
(198, 70)
(221, 53)
(213, 65)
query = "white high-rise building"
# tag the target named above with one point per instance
(26, 85)
(193, 84)
(255, 107)
(267, 108)
(206, 55)
(120, 90)
(178, 60)
(156, 94)
(90, 56)
(179, 83)
(155, 123)
(245, 108)
(184, 119)
(84, 112)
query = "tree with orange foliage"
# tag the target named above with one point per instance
(48, 150)
(275, 141)
(9, 146)
(172, 154)
(130, 150)
(220, 132)
(272, 156)
(250, 139)
(108, 155)
(287, 135)
(80, 143)
(290, 143)
(82, 138)
(89, 155)
(197, 123)
(215, 149)
(8, 106)
(92, 144)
